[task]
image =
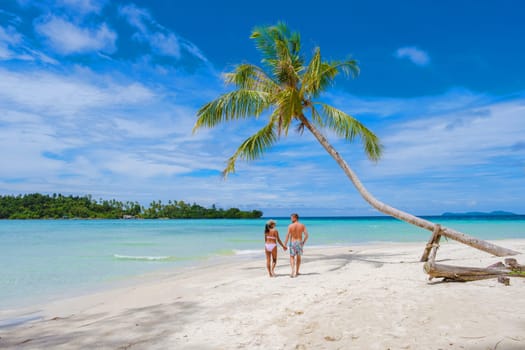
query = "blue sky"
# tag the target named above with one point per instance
(99, 97)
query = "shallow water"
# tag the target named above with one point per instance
(42, 260)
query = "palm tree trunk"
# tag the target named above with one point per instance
(401, 215)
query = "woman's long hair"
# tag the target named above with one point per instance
(268, 226)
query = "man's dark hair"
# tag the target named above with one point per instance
(296, 215)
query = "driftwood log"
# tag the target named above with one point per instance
(433, 242)
(499, 270)
(510, 268)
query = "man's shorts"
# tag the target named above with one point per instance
(296, 248)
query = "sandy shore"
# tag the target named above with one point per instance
(359, 297)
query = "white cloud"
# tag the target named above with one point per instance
(68, 94)
(13, 47)
(137, 17)
(83, 6)
(161, 40)
(67, 38)
(10, 38)
(72, 7)
(445, 160)
(25, 134)
(165, 44)
(90, 129)
(417, 56)
(454, 141)
(388, 107)
(5, 53)
(135, 165)
(439, 134)
(194, 50)
(39, 56)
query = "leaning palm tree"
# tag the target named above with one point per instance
(286, 91)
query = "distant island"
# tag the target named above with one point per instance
(477, 213)
(57, 206)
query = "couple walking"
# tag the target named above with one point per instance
(294, 235)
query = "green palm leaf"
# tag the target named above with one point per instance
(349, 128)
(253, 147)
(250, 77)
(321, 75)
(288, 106)
(238, 104)
(281, 52)
(312, 77)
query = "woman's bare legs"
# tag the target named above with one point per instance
(268, 257)
(274, 260)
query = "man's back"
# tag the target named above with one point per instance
(296, 230)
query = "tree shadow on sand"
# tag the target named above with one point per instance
(137, 326)
(377, 260)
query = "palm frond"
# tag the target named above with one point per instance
(281, 52)
(264, 41)
(253, 147)
(295, 43)
(320, 75)
(348, 127)
(250, 77)
(349, 67)
(316, 117)
(311, 77)
(288, 105)
(238, 104)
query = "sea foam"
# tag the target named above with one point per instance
(144, 258)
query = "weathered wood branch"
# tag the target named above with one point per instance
(511, 268)
(513, 264)
(434, 240)
(477, 243)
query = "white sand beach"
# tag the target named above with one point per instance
(359, 297)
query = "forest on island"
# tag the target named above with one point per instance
(57, 206)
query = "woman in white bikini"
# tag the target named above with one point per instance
(271, 237)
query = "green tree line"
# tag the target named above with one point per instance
(57, 206)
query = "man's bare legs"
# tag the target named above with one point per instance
(292, 264)
(297, 265)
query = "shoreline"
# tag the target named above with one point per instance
(18, 309)
(361, 296)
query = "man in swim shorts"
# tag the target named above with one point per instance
(295, 235)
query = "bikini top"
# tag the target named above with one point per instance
(272, 237)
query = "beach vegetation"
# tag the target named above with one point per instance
(57, 206)
(286, 91)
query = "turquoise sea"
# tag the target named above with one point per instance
(43, 260)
